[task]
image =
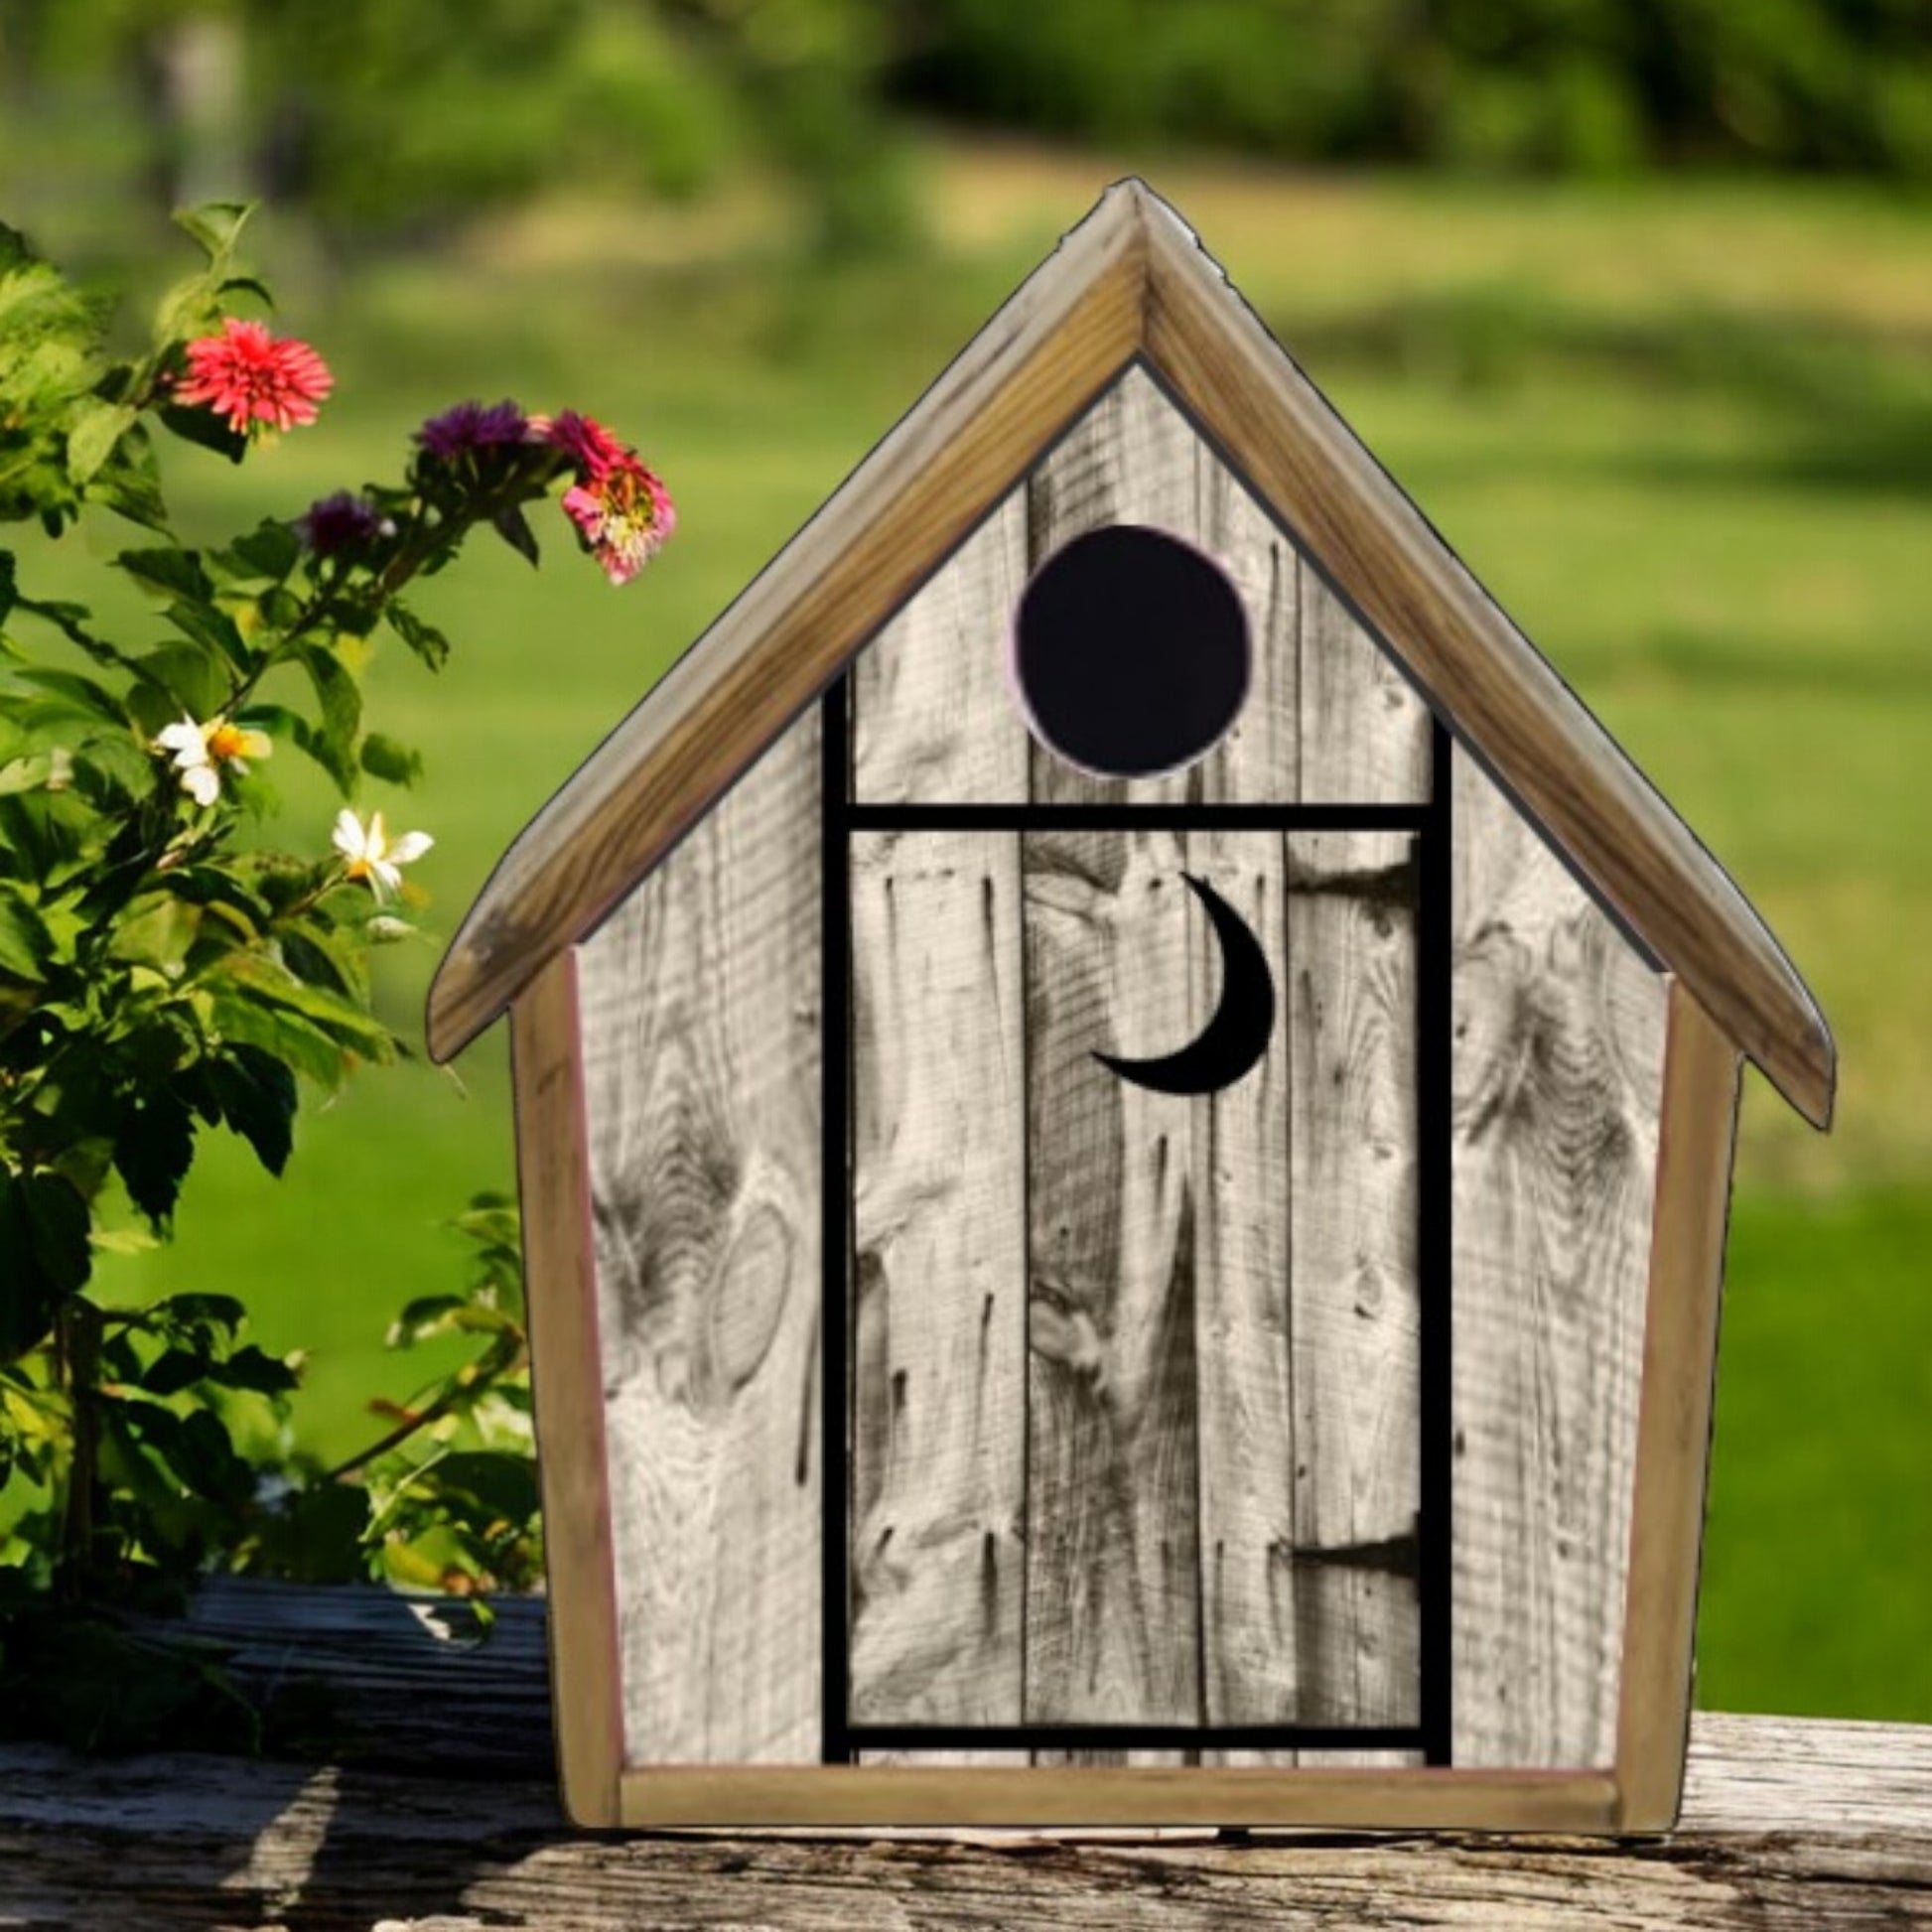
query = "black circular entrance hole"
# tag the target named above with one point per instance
(1130, 652)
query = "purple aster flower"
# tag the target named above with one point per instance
(343, 521)
(469, 425)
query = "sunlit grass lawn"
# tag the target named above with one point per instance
(1683, 433)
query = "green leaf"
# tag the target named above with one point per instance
(332, 744)
(9, 584)
(30, 1292)
(172, 1370)
(78, 693)
(256, 1370)
(25, 942)
(167, 571)
(279, 1035)
(93, 430)
(388, 759)
(129, 484)
(514, 528)
(175, 678)
(257, 1097)
(503, 1483)
(152, 1152)
(214, 628)
(269, 551)
(217, 225)
(195, 1313)
(44, 1244)
(423, 637)
(204, 428)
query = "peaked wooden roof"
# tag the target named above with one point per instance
(1130, 281)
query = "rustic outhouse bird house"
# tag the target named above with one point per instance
(1125, 1112)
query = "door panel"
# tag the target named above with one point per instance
(1134, 1434)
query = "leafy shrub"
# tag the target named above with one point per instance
(168, 969)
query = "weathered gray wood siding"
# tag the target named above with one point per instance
(1133, 1424)
(937, 1504)
(1557, 1085)
(700, 1002)
(1328, 716)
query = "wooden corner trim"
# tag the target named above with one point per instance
(566, 1373)
(936, 1796)
(1688, 1223)
(1483, 676)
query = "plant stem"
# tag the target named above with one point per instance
(80, 1366)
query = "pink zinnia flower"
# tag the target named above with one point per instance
(625, 514)
(250, 376)
(587, 444)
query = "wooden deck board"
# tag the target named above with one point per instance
(1789, 1825)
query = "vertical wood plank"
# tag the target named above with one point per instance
(1557, 1085)
(1687, 1251)
(1131, 459)
(1365, 734)
(701, 1003)
(932, 717)
(1259, 762)
(1355, 1313)
(938, 1437)
(553, 1179)
(1250, 1658)
(1112, 1499)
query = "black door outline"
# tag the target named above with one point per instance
(1432, 822)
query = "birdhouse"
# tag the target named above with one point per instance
(1125, 1111)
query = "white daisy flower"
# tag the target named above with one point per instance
(201, 751)
(371, 854)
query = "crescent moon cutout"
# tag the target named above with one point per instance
(1237, 1037)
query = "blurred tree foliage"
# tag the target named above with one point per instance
(385, 121)
(1532, 84)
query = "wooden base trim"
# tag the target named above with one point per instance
(566, 1372)
(1693, 1158)
(1418, 1800)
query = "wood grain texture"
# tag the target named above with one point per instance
(1481, 672)
(1365, 733)
(1112, 1497)
(1354, 1301)
(701, 1020)
(1240, 1175)
(932, 715)
(1556, 1089)
(1328, 716)
(1131, 280)
(1786, 1822)
(1686, 1249)
(938, 1379)
(553, 1174)
(1790, 1825)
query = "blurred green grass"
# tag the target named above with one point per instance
(1680, 431)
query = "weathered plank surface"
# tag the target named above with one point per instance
(1113, 1609)
(701, 1027)
(939, 1437)
(1557, 1086)
(932, 711)
(1354, 1313)
(1789, 1826)
(1239, 1175)
(1328, 716)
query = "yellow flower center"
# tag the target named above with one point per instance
(226, 741)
